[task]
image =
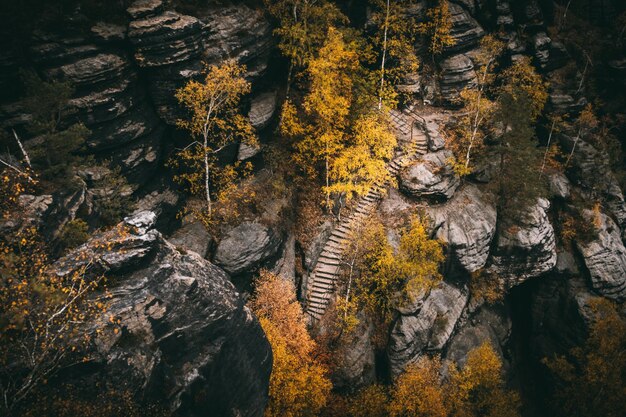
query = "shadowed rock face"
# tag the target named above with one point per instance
(109, 99)
(457, 73)
(468, 224)
(427, 329)
(246, 247)
(605, 259)
(430, 178)
(185, 336)
(525, 250)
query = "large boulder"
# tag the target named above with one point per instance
(427, 329)
(430, 178)
(262, 109)
(605, 259)
(457, 73)
(246, 247)
(465, 30)
(181, 335)
(355, 358)
(525, 248)
(467, 223)
(488, 324)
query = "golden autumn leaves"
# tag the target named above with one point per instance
(352, 152)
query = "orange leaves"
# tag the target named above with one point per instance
(298, 384)
(419, 391)
(590, 380)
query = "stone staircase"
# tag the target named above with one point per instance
(412, 132)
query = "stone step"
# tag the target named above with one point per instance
(325, 275)
(329, 269)
(324, 286)
(327, 261)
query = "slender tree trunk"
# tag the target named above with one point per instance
(382, 64)
(569, 157)
(327, 181)
(19, 143)
(345, 313)
(207, 187)
(545, 155)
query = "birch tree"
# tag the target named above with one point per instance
(214, 122)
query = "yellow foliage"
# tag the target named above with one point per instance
(382, 275)
(303, 25)
(362, 164)
(437, 28)
(478, 390)
(487, 287)
(419, 391)
(320, 133)
(522, 79)
(299, 385)
(214, 122)
(591, 380)
(371, 401)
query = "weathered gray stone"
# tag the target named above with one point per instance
(246, 246)
(525, 249)
(262, 109)
(183, 329)
(487, 325)
(247, 151)
(427, 330)
(457, 73)
(559, 185)
(431, 177)
(605, 259)
(467, 223)
(465, 30)
(356, 362)
(192, 236)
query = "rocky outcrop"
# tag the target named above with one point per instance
(356, 362)
(246, 247)
(108, 99)
(426, 329)
(526, 248)
(457, 73)
(193, 236)
(262, 109)
(465, 30)
(467, 223)
(238, 31)
(170, 46)
(430, 177)
(489, 324)
(605, 259)
(591, 164)
(181, 333)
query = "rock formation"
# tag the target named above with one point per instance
(428, 328)
(430, 178)
(525, 249)
(246, 247)
(166, 299)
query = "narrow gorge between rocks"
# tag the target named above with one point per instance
(360, 208)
